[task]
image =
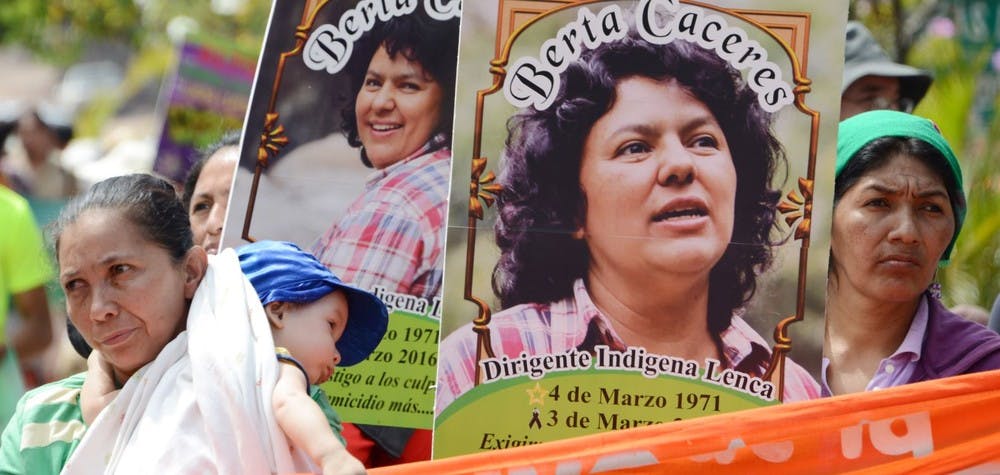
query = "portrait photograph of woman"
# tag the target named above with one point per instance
(347, 153)
(635, 223)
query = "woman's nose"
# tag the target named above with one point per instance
(384, 98)
(904, 227)
(676, 166)
(103, 305)
(216, 219)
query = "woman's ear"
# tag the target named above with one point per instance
(195, 264)
(275, 314)
(581, 216)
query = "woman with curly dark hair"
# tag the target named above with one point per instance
(402, 76)
(636, 211)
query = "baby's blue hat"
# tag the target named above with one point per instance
(281, 272)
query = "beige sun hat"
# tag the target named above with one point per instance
(863, 56)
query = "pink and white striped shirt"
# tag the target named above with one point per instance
(558, 327)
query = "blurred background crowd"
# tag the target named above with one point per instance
(101, 88)
(87, 87)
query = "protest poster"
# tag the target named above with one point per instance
(206, 96)
(346, 152)
(638, 230)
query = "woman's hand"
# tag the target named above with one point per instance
(97, 365)
(99, 387)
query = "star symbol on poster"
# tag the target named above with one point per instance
(536, 394)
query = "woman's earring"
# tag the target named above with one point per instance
(935, 289)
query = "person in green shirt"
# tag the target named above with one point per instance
(24, 270)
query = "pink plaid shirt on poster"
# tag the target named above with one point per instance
(558, 327)
(393, 234)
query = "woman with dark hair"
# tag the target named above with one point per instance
(898, 209)
(206, 190)
(164, 321)
(392, 236)
(403, 80)
(426, 48)
(636, 211)
(131, 232)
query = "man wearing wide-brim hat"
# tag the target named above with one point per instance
(873, 81)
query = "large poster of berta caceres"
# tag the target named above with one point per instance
(638, 228)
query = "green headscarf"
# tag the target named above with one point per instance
(859, 130)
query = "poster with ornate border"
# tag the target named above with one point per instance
(639, 214)
(346, 152)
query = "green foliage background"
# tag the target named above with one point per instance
(62, 31)
(963, 102)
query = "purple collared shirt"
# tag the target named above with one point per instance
(896, 369)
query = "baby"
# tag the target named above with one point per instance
(317, 323)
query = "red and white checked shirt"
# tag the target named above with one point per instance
(393, 234)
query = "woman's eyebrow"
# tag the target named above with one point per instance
(881, 188)
(67, 274)
(888, 189)
(933, 192)
(106, 260)
(411, 76)
(646, 129)
(114, 256)
(700, 120)
(639, 128)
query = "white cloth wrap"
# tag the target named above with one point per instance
(204, 404)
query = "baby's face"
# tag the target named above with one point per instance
(311, 332)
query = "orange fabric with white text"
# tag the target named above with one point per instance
(935, 427)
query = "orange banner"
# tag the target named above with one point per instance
(943, 426)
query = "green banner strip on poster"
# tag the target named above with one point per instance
(522, 411)
(395, 385)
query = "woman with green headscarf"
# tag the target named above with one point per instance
(898, 209)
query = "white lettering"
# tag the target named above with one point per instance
(711, 31)
(774, 452)
(918, 438)
(534, 82)
(329, 47)
(443, 9)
